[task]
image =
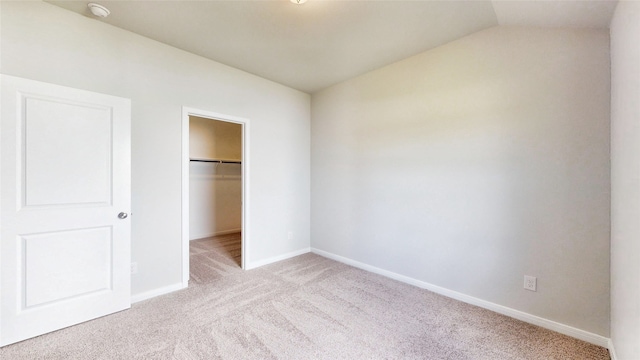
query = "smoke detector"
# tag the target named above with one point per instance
(99, 10)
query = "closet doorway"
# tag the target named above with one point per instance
(214, 193)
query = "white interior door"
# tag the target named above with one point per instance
(64, 180)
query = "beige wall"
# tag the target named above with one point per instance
(473, 164)
(214, 139)
(46, 43)
(625, 180)
(215, 190)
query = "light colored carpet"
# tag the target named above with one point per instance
(205, 254)
(308, 307)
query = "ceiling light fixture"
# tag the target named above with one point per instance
(99, 10)
(298, 2)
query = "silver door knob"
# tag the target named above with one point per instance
(122, 215)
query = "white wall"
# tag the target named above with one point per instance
(473, 164)
(215, 199)
(43, 42)
(625, 180)
(215, 190)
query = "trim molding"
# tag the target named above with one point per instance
(271, 260)
(612, 351)
(246, 177)
(157, 292)
(183, 285)
(223, 232)
(516, 314)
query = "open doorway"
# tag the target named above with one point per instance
(214, 196)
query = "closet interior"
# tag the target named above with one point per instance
(215, 193)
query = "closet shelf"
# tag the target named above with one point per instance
(218, 161)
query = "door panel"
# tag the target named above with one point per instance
(74, 167)
(82, 265)
(64, 177)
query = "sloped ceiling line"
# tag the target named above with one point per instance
(312, 46)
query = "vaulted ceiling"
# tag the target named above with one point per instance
(323, 42)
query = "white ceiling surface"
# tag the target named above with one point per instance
(322, 42)
(563, 13)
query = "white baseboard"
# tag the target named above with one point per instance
(217, 233)
(612, 351)
(157, 292)
(271, 260)
(517, 314)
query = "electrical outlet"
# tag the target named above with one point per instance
(134, 268)
(530, 282)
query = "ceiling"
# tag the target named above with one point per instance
(323, 42)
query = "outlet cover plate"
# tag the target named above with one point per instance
(530, 282)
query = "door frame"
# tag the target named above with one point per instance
(186, 112)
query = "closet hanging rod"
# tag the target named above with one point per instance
(217, 161)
